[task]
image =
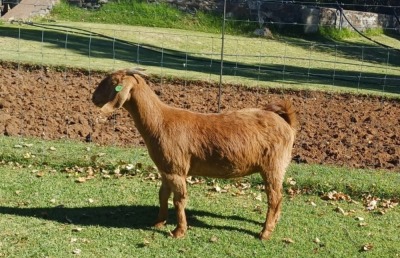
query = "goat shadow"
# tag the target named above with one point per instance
(134, 217)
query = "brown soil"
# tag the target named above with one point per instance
(336, 129)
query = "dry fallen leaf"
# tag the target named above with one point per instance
(288, 240)
(389, 204)
(238, 193)
(372, 205)
(193, 180)
(77, 251)
(216, 188)
(335, 196)
(152, 176)
(213, 239)
(367, 247)
(244, 186)
(290, 181)
(129, 167)
(340, 210)
(27, 155)
(80, 180)
(78, 229)
(371, 202)
(258, 197)
(90, 171)
(258, 209)
(146, 242)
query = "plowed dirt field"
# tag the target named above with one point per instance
(336, 129)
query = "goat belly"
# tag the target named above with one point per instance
(219, 168)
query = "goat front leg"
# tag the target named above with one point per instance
(177, 184)
(163, 195)
(273, 190)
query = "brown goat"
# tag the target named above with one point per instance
(183, 143)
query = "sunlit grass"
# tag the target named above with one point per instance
(50, 214)
(141, 13)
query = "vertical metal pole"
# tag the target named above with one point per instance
(19, 48)
(334, 66)
(309, 62)
(386, 70)
(361, 68)
(113, 47)
(90, 50)
(222, 58)
(162, 61)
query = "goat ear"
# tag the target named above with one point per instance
(118, 100)
(136, 70)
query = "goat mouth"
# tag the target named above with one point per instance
(97, 102)
(99, 105)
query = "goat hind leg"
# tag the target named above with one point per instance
(273, 189)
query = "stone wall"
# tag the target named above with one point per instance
(360, 20)
(310, 18)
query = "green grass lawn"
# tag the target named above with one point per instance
(45, 211)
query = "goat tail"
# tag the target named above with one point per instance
(285, 110)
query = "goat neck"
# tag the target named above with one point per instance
(146, 109)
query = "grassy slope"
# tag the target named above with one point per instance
(112, 217)
(141, 13)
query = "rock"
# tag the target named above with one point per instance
(11, 128)
(264, 32)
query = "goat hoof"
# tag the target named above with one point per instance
(178, 233)
(160, 224)
(264, 235)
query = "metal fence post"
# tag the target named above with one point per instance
(222, 58)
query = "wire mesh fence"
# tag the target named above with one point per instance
(191, 56)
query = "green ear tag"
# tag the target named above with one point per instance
(118, 88)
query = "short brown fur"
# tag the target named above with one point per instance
(183, 143)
